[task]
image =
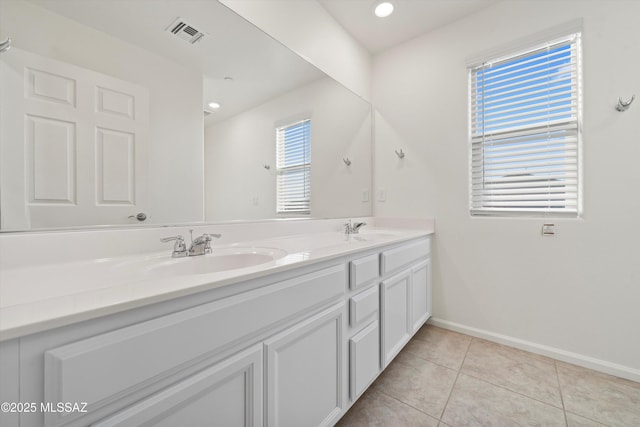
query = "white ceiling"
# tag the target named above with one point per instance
(410, 18)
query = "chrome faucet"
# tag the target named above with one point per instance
(199, 246)
(354, 228)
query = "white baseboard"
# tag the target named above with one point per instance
(555, 353)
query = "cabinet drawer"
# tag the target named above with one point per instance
(363, 305)
(364, 359)
(396, 258)
(106, 367)
(363, 270)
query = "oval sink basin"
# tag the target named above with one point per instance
(223, 259)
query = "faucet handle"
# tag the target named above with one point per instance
(177, 238)
(179, 245)
(207, 240)
(352, 228)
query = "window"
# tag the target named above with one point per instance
(525, 132)
(293, 159)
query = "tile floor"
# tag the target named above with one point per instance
(443, 378)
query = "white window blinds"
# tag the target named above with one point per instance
(524, 126)
(293, 158)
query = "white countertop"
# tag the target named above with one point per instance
(36, 298)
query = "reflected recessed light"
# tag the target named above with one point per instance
(384, 9)
(214, 105)
(229, 79)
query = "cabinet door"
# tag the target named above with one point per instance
(228, 393)
(364, 359)
(395, 314)
(305, 372)
(420, 294)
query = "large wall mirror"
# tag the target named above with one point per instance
(108, 110)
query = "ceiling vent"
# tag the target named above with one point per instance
(185, 31)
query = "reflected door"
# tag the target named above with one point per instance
(73, 144)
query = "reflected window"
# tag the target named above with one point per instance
(293, 159)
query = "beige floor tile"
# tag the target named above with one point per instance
(516, 370)
(600, 397)
(574, 420)
(417, 382)
(491, 389)
(446, 348)
(477, 403)
(375, 409)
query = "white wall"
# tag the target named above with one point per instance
(575, 296)
(305, 27)
(175, 167)
(237, 185)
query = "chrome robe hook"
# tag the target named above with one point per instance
(624, 105)
(5, 45)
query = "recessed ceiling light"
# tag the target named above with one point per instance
(214, 105)
(383, 9)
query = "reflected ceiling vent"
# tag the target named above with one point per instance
(185, 31)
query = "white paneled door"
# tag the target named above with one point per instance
(73, 144)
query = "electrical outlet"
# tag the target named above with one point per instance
(365, 195)
(382, 195)
(548, 230)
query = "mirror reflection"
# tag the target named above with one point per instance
(168, 111)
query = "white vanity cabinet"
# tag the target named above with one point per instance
(304, 370)
(294, 348)
(405, 294)
(390, 299)
(207, 363)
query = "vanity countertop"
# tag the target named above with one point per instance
(40, 297)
